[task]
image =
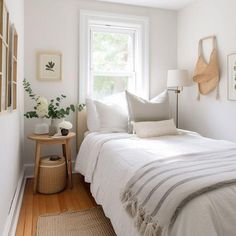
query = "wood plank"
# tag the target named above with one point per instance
(34, 205)
(21, 221)
(35, 212)
(28, 211)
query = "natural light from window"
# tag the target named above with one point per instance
(112, 62)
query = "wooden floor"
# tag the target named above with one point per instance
(34, 205)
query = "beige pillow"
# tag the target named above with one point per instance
(142, 110)
(155, 128)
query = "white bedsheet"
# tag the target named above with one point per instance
(108, 161)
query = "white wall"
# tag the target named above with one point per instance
(11, 125)
(207, 17)
(54, 25)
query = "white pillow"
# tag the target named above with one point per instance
(116, 102)
(118, 99)
(155, 128)
(92, 116)
(111, 117)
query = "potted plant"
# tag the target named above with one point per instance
(51, 110)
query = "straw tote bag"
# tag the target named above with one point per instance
(207, 75)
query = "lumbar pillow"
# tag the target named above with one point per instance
(142, 110)
(155, 128)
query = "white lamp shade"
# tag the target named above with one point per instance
(177, 78)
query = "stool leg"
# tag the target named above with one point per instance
(65, 156)
(36, 167)
(69, 163)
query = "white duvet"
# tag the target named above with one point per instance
(108, 161)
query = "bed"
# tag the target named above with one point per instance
(109, 160)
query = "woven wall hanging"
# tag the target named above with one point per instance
(207, 75)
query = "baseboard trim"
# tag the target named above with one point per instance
(29, 170)
(12, 219)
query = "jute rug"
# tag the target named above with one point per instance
(91, 222)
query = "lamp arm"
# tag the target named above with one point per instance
(174, 90)
(177, 91)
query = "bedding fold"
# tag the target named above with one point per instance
(90, 148)
(160, 189)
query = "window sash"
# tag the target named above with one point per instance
(110, 29)
(113, 74)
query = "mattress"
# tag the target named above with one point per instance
(109, 160)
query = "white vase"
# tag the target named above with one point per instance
(54, 126)
(42, 127)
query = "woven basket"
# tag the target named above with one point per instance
(52, 175)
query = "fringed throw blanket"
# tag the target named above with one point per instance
(158, 191)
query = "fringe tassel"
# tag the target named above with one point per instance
(143, 226)
(131, 206)
(153, 229)
(143, 222)
(125, 195)
(139, 218)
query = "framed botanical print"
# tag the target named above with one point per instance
(49, 66)
(232, 76)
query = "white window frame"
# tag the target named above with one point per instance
(137, 23)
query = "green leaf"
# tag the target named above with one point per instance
(31, 114)
(28, 89)
(72, 107)
(81, 107)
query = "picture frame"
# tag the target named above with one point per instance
(231, 71)
(12, 75)
(49, 66)
(4, 56)
(10, 68)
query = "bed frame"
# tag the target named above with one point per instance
(81, 127)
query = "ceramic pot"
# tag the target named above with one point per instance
(64, 132)
(54, 128)
(42, 127)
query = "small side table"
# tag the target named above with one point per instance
(48, 140)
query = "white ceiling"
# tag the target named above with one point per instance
(165, 4)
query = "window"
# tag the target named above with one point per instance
(113, 55)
